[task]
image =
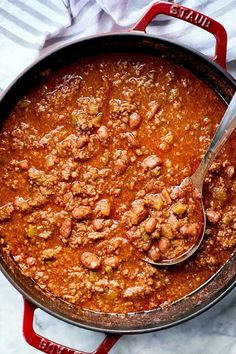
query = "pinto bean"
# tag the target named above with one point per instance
(65, 229)
(151, 162)
(189, 230)
(134, 120)
(174, 222)
(24, 165)
(154, 253)
(90, 260)
(213, 216)
(112, 262)
(132, 141)
(103, 133)
(120, 167)
(154, 107)
(150, 225)
(82, 141)
(164, 244)
(81, 212)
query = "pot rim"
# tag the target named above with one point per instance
(37, 304)
(115, 34)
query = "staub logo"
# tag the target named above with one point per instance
(190, 16)
(52, 348)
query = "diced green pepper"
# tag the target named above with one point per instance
(227, 219)
(93, 276)
(156, 172)
(74, 119)
(93, 108)
(145, 235)
(158, 203)
(179, 208)
(108, 270)
(106, 157)
(96, 120)
(166, 231)
(112, 294)
(168, 138)
(31, 231)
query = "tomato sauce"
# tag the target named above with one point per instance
(89, 162)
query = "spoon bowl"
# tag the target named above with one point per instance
(223, 132)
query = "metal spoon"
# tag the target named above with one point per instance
(223, 132)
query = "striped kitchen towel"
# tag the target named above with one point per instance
(29, 28)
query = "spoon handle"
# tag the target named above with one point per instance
(224, 130)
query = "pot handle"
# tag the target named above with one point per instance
(194, 17)
(50, 347)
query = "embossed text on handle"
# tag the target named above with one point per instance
(190, 16)
(52, 348)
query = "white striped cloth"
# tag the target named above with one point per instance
(29, 28)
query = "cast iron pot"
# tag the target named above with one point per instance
(214, 74)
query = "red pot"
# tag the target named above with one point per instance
(211, 71)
